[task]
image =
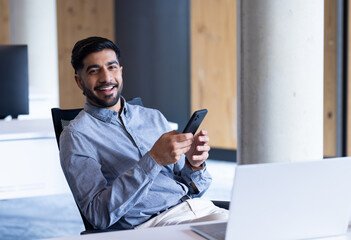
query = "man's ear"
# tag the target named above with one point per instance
(121, 70)
(78, 81)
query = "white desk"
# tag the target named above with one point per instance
(29, 156)
(26, 129)
(178, 232)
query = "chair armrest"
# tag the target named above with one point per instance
(222, 204)
(97, 231)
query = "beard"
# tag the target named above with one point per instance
(108, 100)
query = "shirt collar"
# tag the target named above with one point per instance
(104, 114)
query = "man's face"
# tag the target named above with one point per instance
(101, 79)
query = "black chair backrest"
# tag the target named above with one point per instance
(61, 119)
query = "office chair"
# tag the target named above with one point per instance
(61, 119)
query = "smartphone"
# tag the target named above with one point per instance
(195, 121)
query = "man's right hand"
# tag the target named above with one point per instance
(169, 148)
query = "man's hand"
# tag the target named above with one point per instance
(169, 148)
(198, 152)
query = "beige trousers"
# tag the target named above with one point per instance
(190, 211)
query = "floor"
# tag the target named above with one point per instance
(57, 215)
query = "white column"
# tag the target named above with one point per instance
(280, 80)
(34, 23)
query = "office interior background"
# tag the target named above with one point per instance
(178, 56)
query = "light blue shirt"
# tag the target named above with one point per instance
(113, 178)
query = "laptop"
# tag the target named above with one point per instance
(296, 200)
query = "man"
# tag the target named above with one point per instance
(124, 165)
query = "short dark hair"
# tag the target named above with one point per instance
(90, 45)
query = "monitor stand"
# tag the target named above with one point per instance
(12, 116)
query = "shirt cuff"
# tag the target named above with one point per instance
(149, 166)
(201, 167)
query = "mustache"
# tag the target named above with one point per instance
(106, 85)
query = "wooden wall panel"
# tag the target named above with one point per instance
(76, 20)
(4, 22)
(330, 41)
(213, 68)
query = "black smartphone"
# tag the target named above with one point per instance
(195, 121)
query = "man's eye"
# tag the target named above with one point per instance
(113, 67)
(93, 71)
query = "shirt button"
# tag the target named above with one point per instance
(115, 113)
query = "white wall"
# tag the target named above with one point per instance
(34, 23)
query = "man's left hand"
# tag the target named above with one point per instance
(198, 152)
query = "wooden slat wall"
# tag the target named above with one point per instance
(330, 41)
(213, 68)
(76, 20)
(4, 22)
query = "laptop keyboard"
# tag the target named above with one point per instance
(211, 231)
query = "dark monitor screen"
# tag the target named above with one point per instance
(13, 80)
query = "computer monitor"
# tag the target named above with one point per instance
(13, 80)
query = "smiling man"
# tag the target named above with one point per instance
(97, 68)
(124, 165)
